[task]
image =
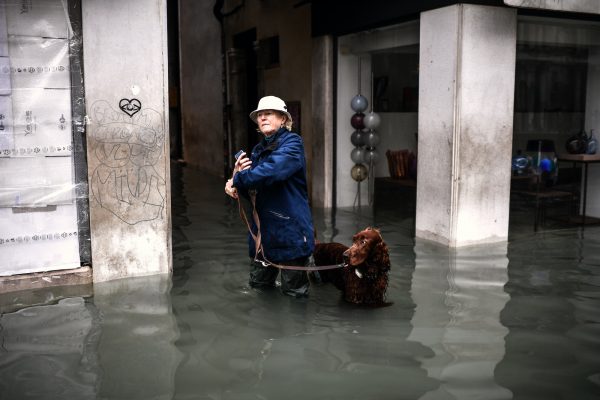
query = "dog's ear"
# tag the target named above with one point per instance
(382, 256)
(376, 230)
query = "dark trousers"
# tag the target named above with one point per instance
(293, 282)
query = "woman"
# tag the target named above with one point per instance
(276, 173)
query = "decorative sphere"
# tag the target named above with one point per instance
(519, 164)
(372, 139)
(358, 138)
(359, 103)
(358, 155)
(372, 120)
(371, 155)
(359, 172)
(357, 121)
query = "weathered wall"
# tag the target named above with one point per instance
(125, 64)
(291, 80)
(201, 86)
(584, 6)
(466, 98)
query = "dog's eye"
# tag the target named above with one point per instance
(364, 241)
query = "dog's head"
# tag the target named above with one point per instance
(368, 263)
(369, 249)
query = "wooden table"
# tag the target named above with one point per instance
(584, 159)
(534, 190)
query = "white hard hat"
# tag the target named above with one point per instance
(271, 103)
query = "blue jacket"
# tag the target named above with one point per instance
(278, 174)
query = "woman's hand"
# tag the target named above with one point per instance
(230, 190)
(242, 163)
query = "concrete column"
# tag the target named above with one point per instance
(126, 86)
(466, 98)
(322, 104)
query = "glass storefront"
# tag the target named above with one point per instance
(557, 116)
(383, 66)
(557, 74)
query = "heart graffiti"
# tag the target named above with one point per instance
(130, 107)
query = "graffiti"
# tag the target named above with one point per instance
(127, 147)
(130, 107)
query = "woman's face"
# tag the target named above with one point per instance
(269, 121)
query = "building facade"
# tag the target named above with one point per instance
(464, 86)
(84, 170)
(460, 87)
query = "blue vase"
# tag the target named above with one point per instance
(592, 144)
(577, 144)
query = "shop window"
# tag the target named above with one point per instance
(396, 80)
(43, 172)
(381, 65)
(556, 80)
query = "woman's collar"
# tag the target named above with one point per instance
(270, 138)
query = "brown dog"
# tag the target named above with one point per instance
(364, 278)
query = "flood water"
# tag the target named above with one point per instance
(513, 321)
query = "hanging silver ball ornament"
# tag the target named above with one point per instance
(359, 103)
(359, 172)
(371, 139)
(357, 121)
(371, 156)
(358, 138)
(372, 120)
(358, 155)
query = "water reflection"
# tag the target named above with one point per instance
(121, 346)
(49, 352)
(240, 343)
(136, 350)
(463, 324)
(553, 344)
(459, 295)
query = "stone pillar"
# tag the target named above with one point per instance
(126, 87)
(322, 105)
(466, 100)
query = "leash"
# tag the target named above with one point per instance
(259, 247)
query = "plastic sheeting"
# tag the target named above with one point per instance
(44, 223)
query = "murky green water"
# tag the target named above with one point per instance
(517, 321)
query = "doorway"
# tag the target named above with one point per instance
(243, 90)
